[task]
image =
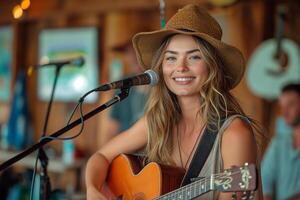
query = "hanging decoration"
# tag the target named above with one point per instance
(274, 63)
(162, 6)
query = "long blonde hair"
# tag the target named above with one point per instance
(163, 111)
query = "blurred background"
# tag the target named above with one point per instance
(33, 32)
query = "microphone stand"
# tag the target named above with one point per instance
(45, 185)
(124, 93)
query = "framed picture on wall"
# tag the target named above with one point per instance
(73, 81)
(6, 45)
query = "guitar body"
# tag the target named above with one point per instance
(128, 180)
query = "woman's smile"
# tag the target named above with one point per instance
(183, 80)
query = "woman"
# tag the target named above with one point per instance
(196, 71)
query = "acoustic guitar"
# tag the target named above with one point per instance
(129, 181)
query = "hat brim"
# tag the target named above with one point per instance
(147, 43)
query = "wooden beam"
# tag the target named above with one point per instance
(104, 6)
(55, 8)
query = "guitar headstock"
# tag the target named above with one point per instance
(236, 179)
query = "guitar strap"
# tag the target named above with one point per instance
(201, 154)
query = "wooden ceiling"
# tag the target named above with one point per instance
(52, 8)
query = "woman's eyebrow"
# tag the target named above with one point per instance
(171, 52)
(188, 52)
(192, 51)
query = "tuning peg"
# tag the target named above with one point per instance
(244, 196)
(251, 195)
(234, 196)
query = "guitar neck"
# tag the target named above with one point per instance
(190, 191)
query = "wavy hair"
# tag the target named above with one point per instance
(163, 111)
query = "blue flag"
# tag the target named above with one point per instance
(18, 136)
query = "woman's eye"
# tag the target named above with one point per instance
(170, 58)
(195, 57)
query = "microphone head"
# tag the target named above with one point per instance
(154, 78)
(78, 62)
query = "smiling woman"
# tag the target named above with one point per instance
(184, 70)
(192, 98)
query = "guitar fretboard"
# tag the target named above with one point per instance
(189, 191)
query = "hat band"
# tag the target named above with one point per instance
(185, 30)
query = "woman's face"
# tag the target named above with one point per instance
(184, 69)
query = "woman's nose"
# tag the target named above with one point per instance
(182, 65)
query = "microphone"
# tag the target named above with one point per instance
(149, 77)
(77, 62)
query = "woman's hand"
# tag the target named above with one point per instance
(104, 194)
(93, 194)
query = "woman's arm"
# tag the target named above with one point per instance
(127, 142)
(238, 146)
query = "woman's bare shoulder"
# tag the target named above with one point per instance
(238, 129)
(238, 143)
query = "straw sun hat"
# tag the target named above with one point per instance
(191, 20)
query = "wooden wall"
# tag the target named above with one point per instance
(248, 23)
